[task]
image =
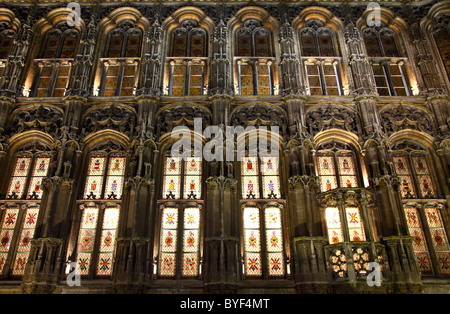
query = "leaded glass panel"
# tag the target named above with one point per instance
(333, 225)
(252, 238)
(355, 226)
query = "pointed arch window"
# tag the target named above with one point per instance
(180, 232)
(412, 167)
(54, 62)
(320, 59)
(388, 63)
(430, 243)
(19, 216)
(120, 61)
(187, 61)
(100, 210)
(263, 242)
(441, 34)
(336, 167)
(255, 64)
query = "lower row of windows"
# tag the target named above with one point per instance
(180, 240)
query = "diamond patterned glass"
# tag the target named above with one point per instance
(86, 238)
(439, 238)
(40, 171)
(355, 226)
(24, 244)
(168, 241)
(8, 224)
(172, 178)
(108, 241)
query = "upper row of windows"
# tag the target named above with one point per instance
(187, 61)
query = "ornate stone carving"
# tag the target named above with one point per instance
(330, 117)
(402, 117)
(42, 118)
(180, 115)
(113, 117)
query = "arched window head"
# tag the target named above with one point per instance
(320, 59)
(189, 40)
(105, 173)
(253, 40)
(255, 65)
(441, 34)
(317, 40)
(60, 42)
(31, 167)
(54, 61)
(187, 65)
(387, 61)
(336, 167)
(124, 41)
(180, 233)
(120, 62)
(411, 163)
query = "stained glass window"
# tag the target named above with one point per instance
(268, 236)
(274, 240)
(439, 238)
(9, 221)
(191, 238)
(252, 242)
(344, 177)
(86, 239)
(107, 241)
(19, 177)
(265, 169)
(352, 219)
(334, 225)
(192, 178)
(40, 171)
(24, 244)
(419, 243)
(168, 242)
(414, 175)
(108, 171)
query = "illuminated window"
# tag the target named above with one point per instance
(260, 178)
(427, 228)
(11, 225)
(54, 62)
(105, 176)
(336, 167)
(320, 60)
(387, 62)
(188, 60)
(182, 178)
(120, 61)
(27, 177)
(254, 59)
(263, 242)
(97, 240)
(353, 221)
(414, 173)
(179, 242)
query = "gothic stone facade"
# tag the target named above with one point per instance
(88, 111)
